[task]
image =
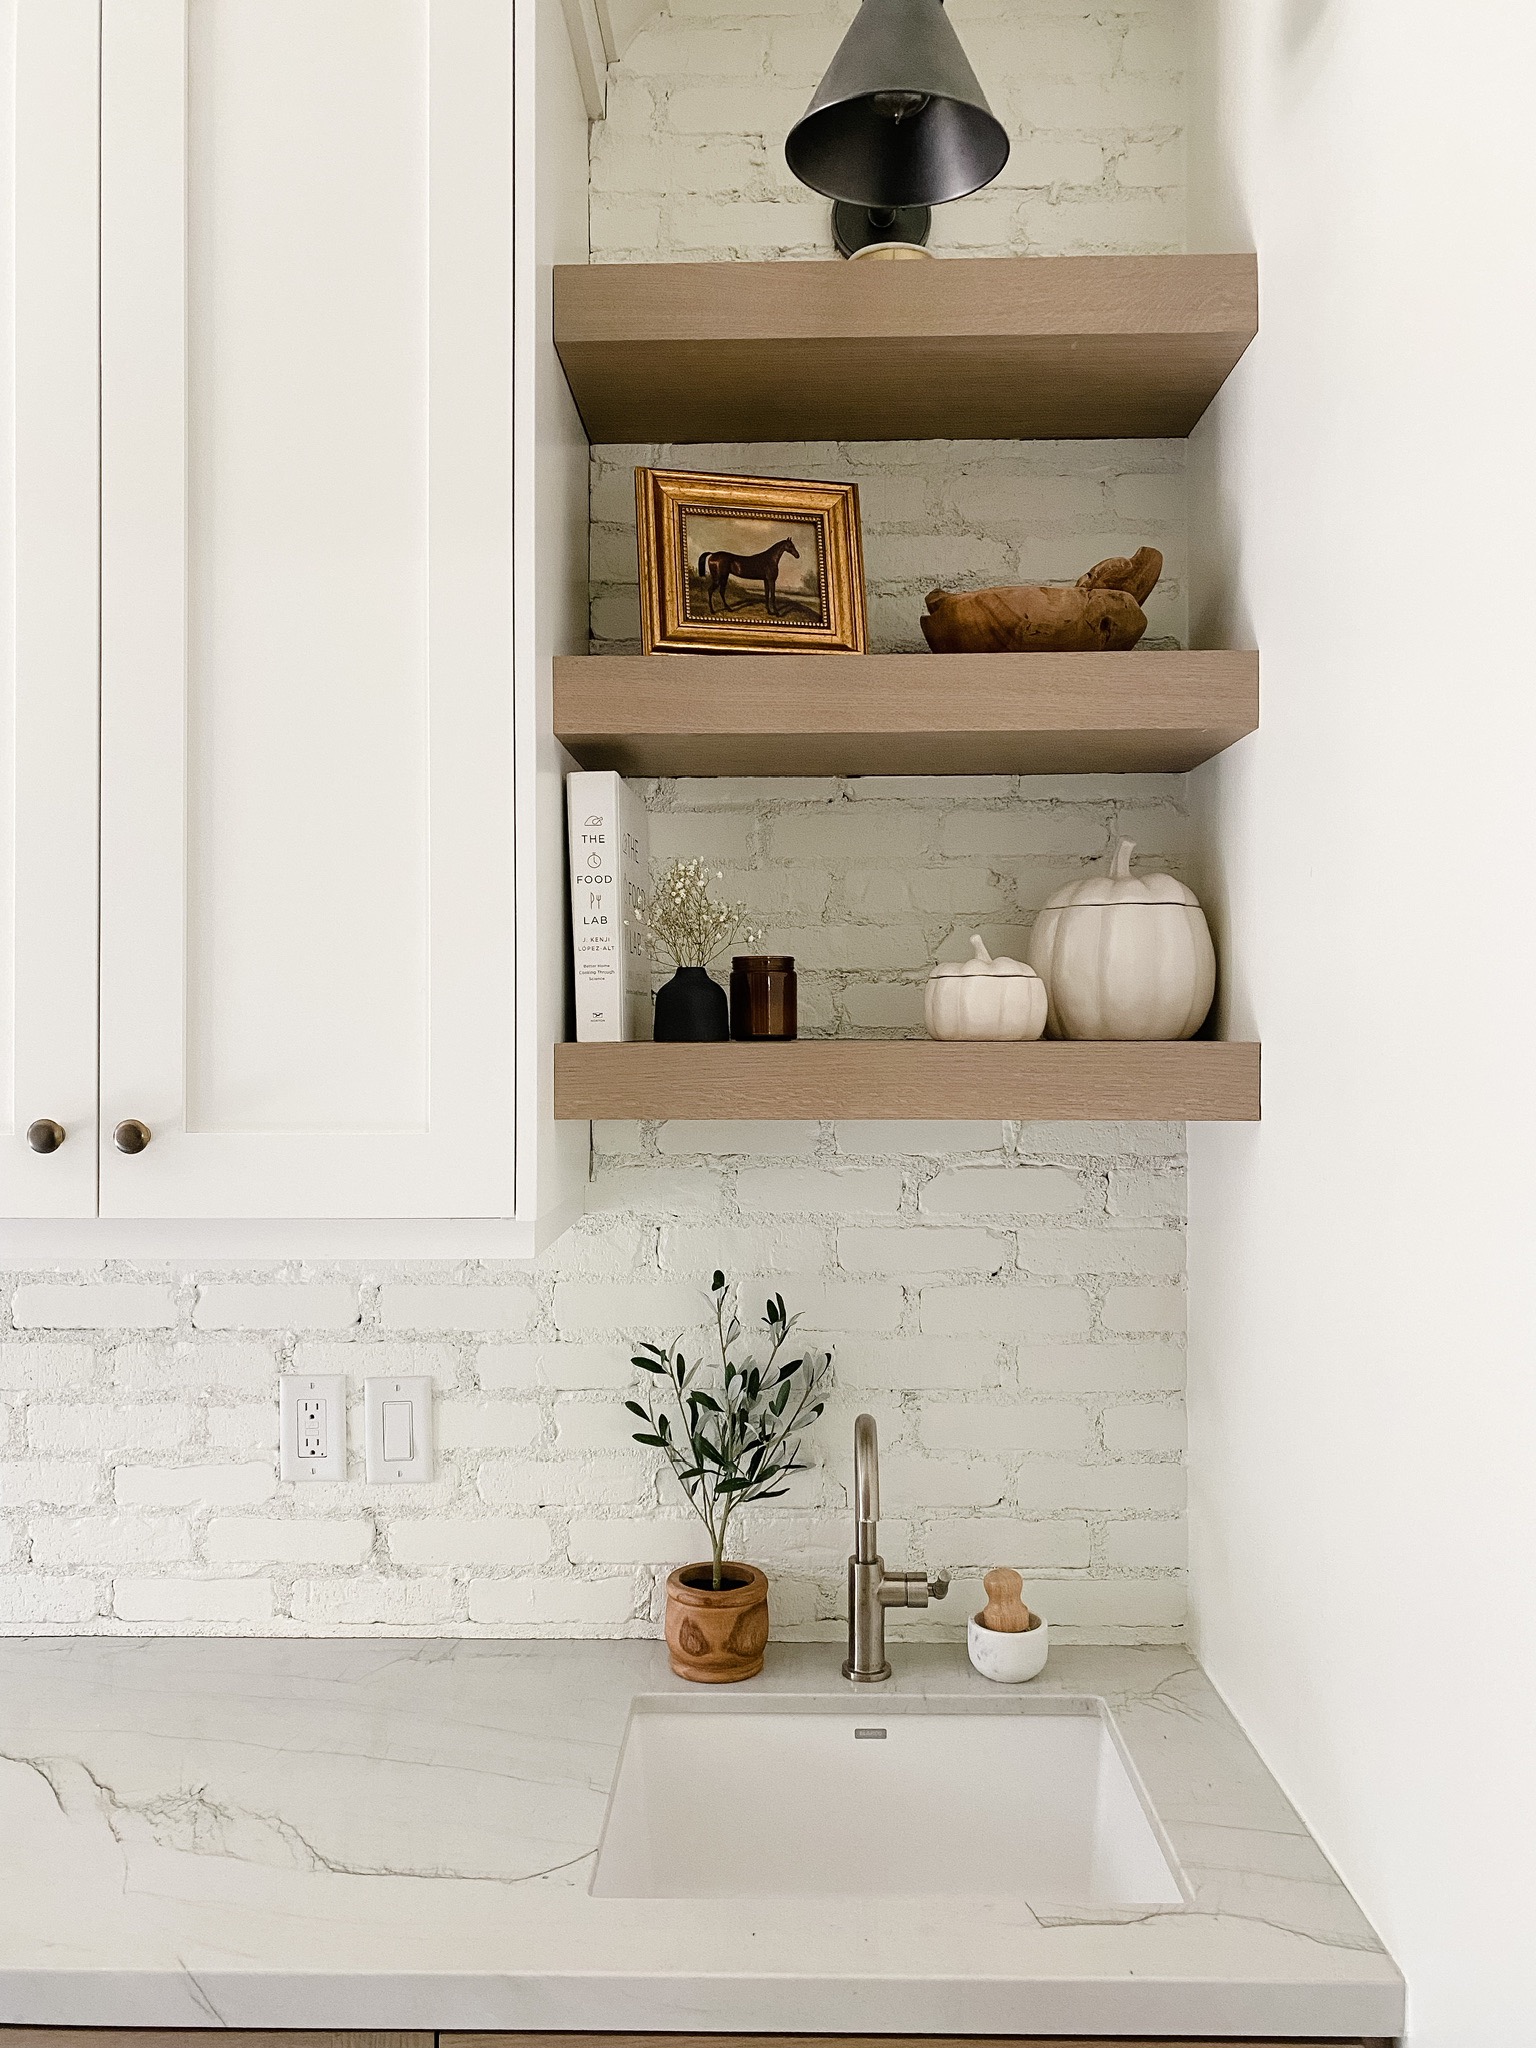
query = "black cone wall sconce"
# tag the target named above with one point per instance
(897, 126)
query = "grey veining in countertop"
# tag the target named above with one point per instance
(349, 1834)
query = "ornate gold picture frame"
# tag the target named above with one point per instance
(748, 564)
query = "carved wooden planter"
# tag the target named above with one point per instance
(713, 1637)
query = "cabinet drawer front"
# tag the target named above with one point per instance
(307, 607)
(48, 615)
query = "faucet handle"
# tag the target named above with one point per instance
(911, 1589)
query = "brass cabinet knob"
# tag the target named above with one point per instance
(45, 1135)
(131, 1135)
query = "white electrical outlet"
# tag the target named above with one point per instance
(397, 1429)
(312, 1412)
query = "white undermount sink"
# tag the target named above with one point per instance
(900, 1797)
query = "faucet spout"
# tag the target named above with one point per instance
(866, 1490)
(871, 1588)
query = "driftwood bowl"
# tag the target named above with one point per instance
(1101, 610)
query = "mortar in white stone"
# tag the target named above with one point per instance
(1008, 1658)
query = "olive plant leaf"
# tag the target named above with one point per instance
(730, 1442)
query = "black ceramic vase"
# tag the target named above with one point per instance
(692, 1006)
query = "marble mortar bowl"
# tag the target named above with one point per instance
(1009, 1659)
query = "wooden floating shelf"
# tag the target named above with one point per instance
(1163, 711)
(1012, 348)
(1197, 1081)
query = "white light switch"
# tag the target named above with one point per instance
(312, 1437)
(398, 1446)
(397, 1429)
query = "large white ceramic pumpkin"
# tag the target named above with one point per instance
(1125, 956)
(984, 998)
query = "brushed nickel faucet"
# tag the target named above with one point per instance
(871, 1588)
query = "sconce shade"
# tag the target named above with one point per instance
(899, 119)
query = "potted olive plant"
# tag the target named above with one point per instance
(681, 922)
(731, 1430)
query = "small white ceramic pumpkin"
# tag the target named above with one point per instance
(1125, 956)
(984, 998)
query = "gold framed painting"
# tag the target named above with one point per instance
(748, 564)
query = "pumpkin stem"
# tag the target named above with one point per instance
(1120, 866)
(978, 948)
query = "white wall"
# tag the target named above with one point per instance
(1362, 1371)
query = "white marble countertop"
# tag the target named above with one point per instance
(400, 1834)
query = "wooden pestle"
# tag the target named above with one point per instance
(1005, 1610)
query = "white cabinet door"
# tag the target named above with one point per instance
(307, 819)
(48, 617)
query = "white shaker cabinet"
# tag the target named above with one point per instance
(48, 626)
(326, 806)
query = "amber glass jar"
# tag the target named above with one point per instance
(763, 995)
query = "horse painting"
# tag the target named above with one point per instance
(717, 569)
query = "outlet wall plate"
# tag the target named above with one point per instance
(312, 1433)
(397, 1429)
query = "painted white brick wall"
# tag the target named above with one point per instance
(689, 164)
(953, 514)
(963, 1275)
(1007, 1300)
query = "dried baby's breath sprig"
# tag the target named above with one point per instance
(684, 924)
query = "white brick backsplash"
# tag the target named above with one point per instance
(152, 1368)
(980, 1542)
(909, 1481)
(36, 1600)
(1147, 1546)
(1048, 1483)
(228, 1601)
(917, 1363)
(940, 1137)
(1137, 1191)
(656, 1190)
(665, 1540)
(1006, 1298)
(1155, 1365)
(648, 1308)
(486, 1425)
(1004, 1191)
(109, 1539)
(50, 1482)
(1144, 1426)
(554, 1365)
(40, 1368)
(552, 1482)
(601, 1603)
(274, 1305)
(594, 1426)
(746, 1139)
(1144, 1308)
(487, 1540)
(90, 1428)
(1120, 1603)
(806, 1190)
(1056, 1426)
(323, 1604)
(1004, 1311)
(266, 1540)
(921, 1249)
(92, 1305)
(455, 1308)
(190, 1486)
(244, 1428)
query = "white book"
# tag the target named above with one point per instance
(610, 875)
